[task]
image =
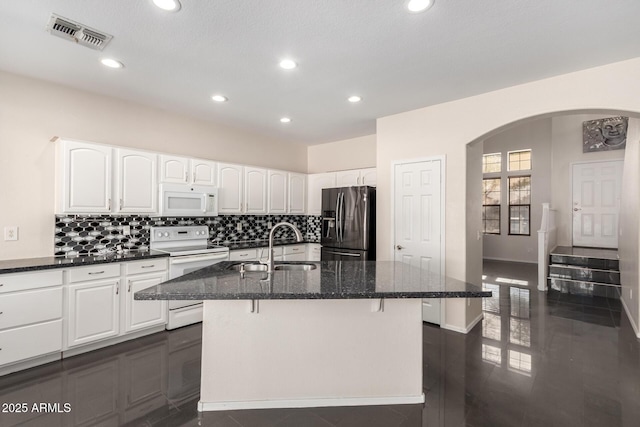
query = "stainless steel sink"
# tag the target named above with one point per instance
(303, 267)
(280, 266)
(248, 267)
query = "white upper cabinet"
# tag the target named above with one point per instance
(316, 183)
(84, 177)
(136, 182)
(203, 172)
(297, 192)
(356, 177)
(369, 177)
(348, 178)
(230, 188)
(255, 190)
(174, 169)
(182, 170)
(277, 192)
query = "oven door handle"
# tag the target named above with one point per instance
(196, 258)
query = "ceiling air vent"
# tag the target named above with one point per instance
(76, 32)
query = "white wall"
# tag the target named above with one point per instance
(473, 226)
(566, 148)
(446, 129)
(354, 153)
(535, 135)
(629, 247)
(33, 111)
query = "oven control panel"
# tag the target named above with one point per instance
(178, 233)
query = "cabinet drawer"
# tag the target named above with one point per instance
(24, 308)
(94, 272)
(30, 341)
(294, 249)
(147, 266)
(242, 255)
(25, 281)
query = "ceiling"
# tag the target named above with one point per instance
(395, 60)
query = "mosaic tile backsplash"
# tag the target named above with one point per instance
(98, 234)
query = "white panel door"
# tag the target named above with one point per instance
(417, 204)
(87, 177)
(230, 188)
(348, 178)
(596, 203)
(277, 192)
(174, 169)
(203, 172)
(296, 194)
(369, 177)
(143, 314)
(255, 190)
(136, 182)
(316, 183)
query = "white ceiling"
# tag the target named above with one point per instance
(395, 60)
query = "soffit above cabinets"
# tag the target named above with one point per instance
(395, 60)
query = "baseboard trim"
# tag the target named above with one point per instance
(31, 363)
(628, 313)
(310, 403)
(74, 351)
(510, 260)
(466, 330)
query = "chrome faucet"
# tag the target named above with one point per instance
(272, 234)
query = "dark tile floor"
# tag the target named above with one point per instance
(536, 360)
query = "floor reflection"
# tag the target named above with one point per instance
(536, 359)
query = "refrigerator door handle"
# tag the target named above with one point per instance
(338, 217)
(341, 217)
(344, 253)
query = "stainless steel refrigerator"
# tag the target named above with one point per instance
(349, 224)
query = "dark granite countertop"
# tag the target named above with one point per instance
(329, 280)
(250, 244)
(47, 263)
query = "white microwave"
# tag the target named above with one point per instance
(188, 200)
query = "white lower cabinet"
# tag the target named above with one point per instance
(314, 251)
(93, 311)
(143, 314)
(243, 255)
(295, 253)
(31, 316)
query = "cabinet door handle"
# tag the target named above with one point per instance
(147, 266)
(96, 272)
(363, 180)
(120, 204)
(129, 289)
(117, 288)
(109, 204)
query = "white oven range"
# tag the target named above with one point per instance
(188, 251)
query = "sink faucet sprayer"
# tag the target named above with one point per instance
(272, 234)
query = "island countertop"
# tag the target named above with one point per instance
(329, 280)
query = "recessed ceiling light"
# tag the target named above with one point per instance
(288, 64)
(168, 5)
(111, 63)
(354, 98)
(419, 5)
(285, 120)
(219, 98)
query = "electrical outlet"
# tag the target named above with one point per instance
(11, 232)
(239, 227)
(126, 230)
(269, 224)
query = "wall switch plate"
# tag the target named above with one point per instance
(239, 227)
(126, 230)
(11, 232)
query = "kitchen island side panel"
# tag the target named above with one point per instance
(303, 353)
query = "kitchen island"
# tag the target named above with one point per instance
(331, 333)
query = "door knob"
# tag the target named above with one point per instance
(398, 247)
